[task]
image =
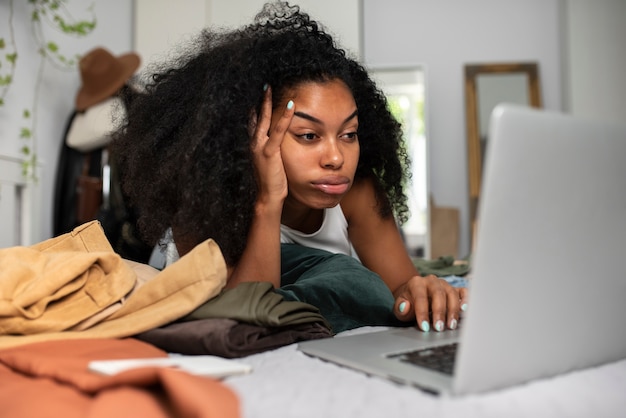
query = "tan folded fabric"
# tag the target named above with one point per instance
(53, 285)
(172, 293)
(144, 274)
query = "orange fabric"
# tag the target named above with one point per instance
(50, 379)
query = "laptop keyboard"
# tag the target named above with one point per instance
(439, 358)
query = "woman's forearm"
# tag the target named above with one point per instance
(260, 260)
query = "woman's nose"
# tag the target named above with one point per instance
(332, 156)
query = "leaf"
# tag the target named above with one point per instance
(26, 114)
(83, 28)
(11, 57)
(26, 170)
(25, 133)
(25, 150)
(52, 47)
(2, 43)
(80, 28)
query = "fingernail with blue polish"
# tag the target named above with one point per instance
(265, 86)
(439, 326)
(464, 307)
(290, 104)
(402, 307)
(453, 324)
(425, 326)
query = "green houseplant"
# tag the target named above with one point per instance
(53, 14)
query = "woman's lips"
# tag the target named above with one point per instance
(332, 185)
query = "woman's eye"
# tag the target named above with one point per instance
(350, 136)
(308, 136)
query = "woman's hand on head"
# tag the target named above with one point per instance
(267, 134)
(431, 301)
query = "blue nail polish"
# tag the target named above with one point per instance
(453, 324)
(464, 307)
(265, 87)
(439, 326)
(425, 326)
(290, 104)
(402, 307)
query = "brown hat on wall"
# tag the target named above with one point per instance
(102, 75)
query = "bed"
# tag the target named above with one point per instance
(50, 363)
(51, 379)
(288, 383)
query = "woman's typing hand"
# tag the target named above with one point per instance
(431, 301)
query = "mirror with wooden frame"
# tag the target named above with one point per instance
(486, 85)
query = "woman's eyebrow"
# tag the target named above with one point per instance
(319, 122)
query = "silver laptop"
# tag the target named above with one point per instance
(548, 287)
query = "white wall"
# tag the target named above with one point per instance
(341, 18)
(160, 25)
(444, 36)
(596, 59)
(58, 89)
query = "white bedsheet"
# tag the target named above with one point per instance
(288, 383)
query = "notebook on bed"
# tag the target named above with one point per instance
(548, 285)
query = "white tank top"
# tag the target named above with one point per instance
(332, 235)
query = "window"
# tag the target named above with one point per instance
(405, 93)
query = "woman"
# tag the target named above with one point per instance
(268, 135)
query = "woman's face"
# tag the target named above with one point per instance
(320, 150)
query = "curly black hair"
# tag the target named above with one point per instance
(184, 151)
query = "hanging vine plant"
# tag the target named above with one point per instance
(56, 15)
